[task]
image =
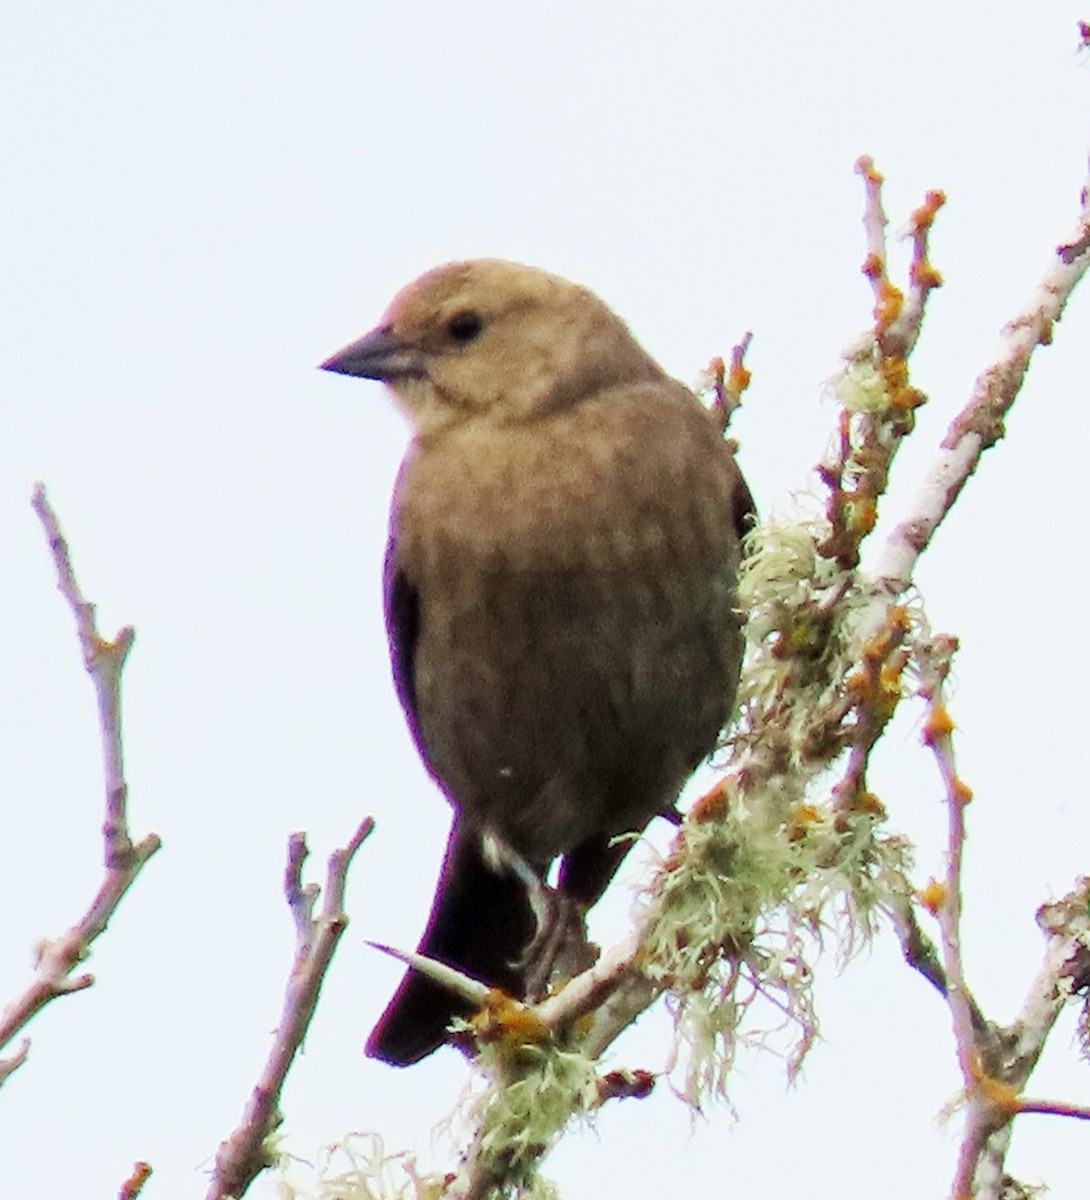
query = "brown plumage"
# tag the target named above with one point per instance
(564, 542)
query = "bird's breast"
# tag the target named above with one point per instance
(576, 641)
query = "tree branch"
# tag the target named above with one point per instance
(104, 660)
(829, 648)
(980, 423)
(245, 1154)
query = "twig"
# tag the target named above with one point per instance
(245, 1154)
(1055, 1108)
(727, 387)
(134, 1185)
(834, 624)
(14, 1061)
(464, 986)
(873, 385)
(104, 660)
(983, 1117)
(898, 317)
(980, 424)
(995, 1063)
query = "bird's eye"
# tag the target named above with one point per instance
(465, 326)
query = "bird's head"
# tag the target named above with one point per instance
(495, 341)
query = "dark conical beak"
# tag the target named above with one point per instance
(379, 354)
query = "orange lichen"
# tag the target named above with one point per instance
(924, 275)
(868, 803)
(877, 649)
(801, 819)
(503, 1019)
(862, 514)
(891, 676)
(999, 1093)
(894, 371)
(962, 792)
(856, 683)
(938, 725)
(873, 267)
(907, 399)
(933, 896)
(897, 618)
(888, 305)
(864, 165)
(923, 216)
(739, 377)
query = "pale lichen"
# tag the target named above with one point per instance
(533, 1092)
(356, 1168)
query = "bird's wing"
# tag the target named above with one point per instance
(402, 606)
(481, 921)
(745, 507)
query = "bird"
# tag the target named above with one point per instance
(564, 542)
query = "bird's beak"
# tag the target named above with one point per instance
(379, 354)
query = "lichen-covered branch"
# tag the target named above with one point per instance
(791, 846)
(762, 866)
(246, 1153)
(58, 958)
(739, 905)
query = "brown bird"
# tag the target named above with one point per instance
(564, 541)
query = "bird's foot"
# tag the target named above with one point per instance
(559, 948)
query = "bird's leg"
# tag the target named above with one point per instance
(559, 944)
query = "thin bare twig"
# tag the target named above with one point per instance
(58, 958)
(134, 1185)
(14, 1061)
(980, 423)
(983, 1117)
(457, 982)
(995, 1063)
(245, 1154)
(898, 316)
(1055, 1108)
(727, 387)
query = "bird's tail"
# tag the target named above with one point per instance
(481, 923)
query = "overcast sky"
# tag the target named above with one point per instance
(199, 203)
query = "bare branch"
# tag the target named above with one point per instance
(134, 1185)
(245, 1154)
(996, 1063)
(462, 985)
(14, 1061)
(727, 387)
(982, 1119)
(104, 660)
(837, 634)
(1055, 1108)
(898, 317)
(980, 424)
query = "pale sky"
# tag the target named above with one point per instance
(200, 203)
